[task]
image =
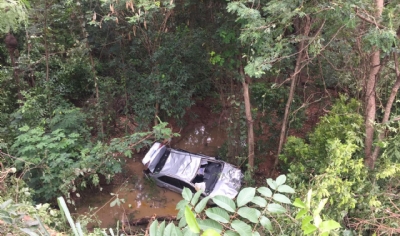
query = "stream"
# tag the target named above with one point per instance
(142, 198)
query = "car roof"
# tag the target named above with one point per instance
(182, 165)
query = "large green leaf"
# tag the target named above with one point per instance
(298, 203)
(181, 213)
(230, 233)
(266, 223)
(191, 220)
(281, 198)
(161, 228)
(272, 184)
(308, 228)
(242, 228)
(182, 222)
(280, 180)
(285, 189)
(153, 228)
(259, 201)
(210, 232)
(328, 225)
(210, 224)
(218, 214)
(181, 204)
(225, 202)
(275, 208)
(187, 232)
(202, 204)
(250, 214)
(301, 213)
(196, 197)
(265, 191)
(187, 194)
(245, 195)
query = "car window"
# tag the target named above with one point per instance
(176, 182)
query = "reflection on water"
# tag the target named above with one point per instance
(141, 197)
(202, 139)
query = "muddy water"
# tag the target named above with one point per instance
(141, 197)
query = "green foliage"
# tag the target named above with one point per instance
(17, 213)
(333, 156)
(331, 161)
(55, 153)
(252, 213)
(306, 214)
(14, 14)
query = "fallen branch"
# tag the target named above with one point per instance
(147, 220)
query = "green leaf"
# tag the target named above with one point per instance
(281, 198)
(210, 232)
(266, 223)
(170, 229)
(250, 214)
(196, 197)
(230, 233)
(218, 214)
(225, 202)
(187, 194)
(181, 204)
(298, 203)
(280, 180)
(328, 225)
(265, 191)
(210, 224)
(255, 233)
(112, 204)
(308, 228)
(191, 220)
(153, 228)
(259, 201)
(161, 227)
(182, 222)
(242, 228)
(271, 183)
(202, 204)
(181, 213)
(301, 213)
(285, 189)
(245, 196)
(276, 208)
(187, 232)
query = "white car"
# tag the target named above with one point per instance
(176, 169)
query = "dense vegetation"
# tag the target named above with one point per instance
(76, 74)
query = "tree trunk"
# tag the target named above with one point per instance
(370, 102)
(371, 162)
(12, 44)
(303, 29)
(85, 35)
(249, 118)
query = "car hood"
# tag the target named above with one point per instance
(229, 182)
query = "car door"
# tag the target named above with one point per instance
(174, 184)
